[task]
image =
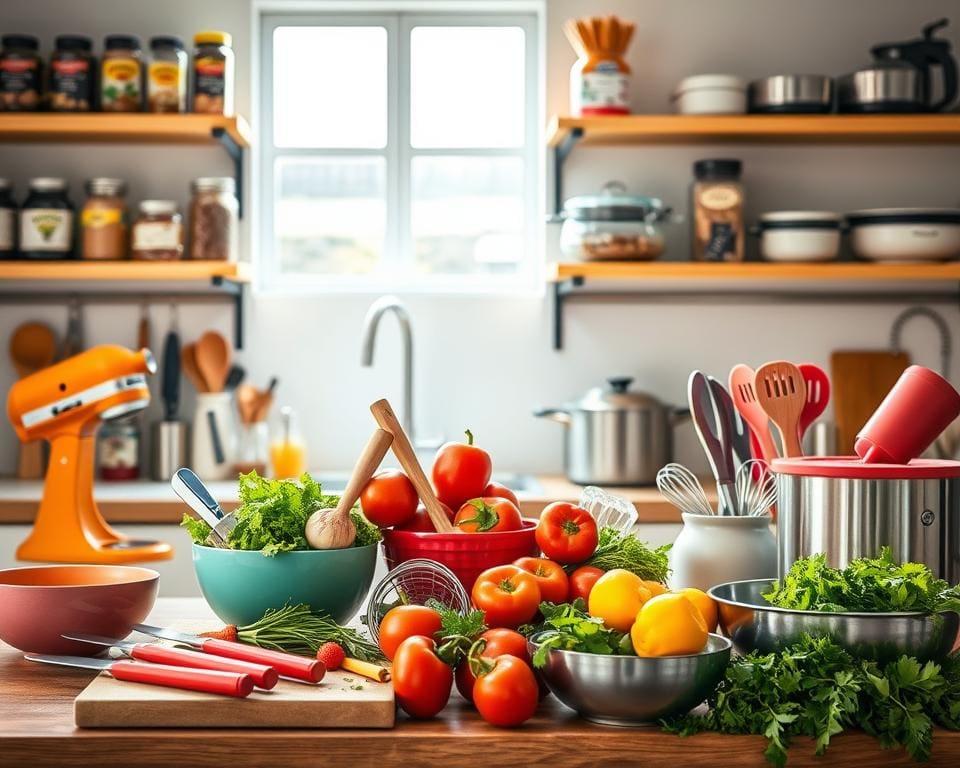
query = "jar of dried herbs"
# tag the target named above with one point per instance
(718, 228)
(103, 220)
(121, 80)
(214, 219)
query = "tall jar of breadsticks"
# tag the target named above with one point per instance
(600, 77)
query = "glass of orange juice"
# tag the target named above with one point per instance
(288, 454)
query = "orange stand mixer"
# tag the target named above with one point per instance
(65, 404)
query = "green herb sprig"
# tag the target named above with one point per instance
(569, 627)
(619, 550)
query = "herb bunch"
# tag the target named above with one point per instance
(624, 550)
(568, 627)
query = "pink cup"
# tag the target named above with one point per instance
(912, 415)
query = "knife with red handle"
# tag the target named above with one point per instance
(264, 677)
(233, 684)
(287, 664)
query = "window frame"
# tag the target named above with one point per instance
(399, 19)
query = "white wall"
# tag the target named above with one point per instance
(484, 363)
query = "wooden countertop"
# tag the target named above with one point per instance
(37, 730)
(155, 503)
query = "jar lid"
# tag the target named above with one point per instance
(800, 220)
(616, 397)
(613, 204)
(851, 467)
(20, 41)
(213, 184)
(73, 43)
(713, 169)
(48, 184)
(905, 216)
(158, 207)
(131, 42)
(166, 41)
(103, 185)
(212, 37)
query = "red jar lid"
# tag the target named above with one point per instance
(852, 467)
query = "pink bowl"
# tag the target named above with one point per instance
(39, 603)
(466, 554)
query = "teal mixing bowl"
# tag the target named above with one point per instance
(240, 586)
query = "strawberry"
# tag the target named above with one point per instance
(331, 654)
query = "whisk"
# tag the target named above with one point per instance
(680, 487)
(756, 488)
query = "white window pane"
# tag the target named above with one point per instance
(330, 214)
(467, 214)
(330, 87)
(466, 87)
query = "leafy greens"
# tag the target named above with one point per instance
(624, 550)
(568, 627)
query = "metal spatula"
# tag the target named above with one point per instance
(782, 393)
(714, 437)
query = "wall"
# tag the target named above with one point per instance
(484, 363)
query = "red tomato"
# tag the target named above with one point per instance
(389, 499)
(507, 595)
(406, 621)
(582, 581)
(421, 681)
(499, 642)
(566, 533)
(507, 695)
(499, 491)
(550, 576)
(460, 472)
(487, 515)
(421, 521)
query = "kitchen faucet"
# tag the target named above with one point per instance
(377, 310)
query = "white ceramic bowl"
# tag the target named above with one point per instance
(800, 235)
(905, 234)
(710, 95)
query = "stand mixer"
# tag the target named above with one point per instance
(65, 405)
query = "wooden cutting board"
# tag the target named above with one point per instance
(859, 381)
(341, 700)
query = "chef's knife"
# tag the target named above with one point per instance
(287, 664)
(263, 676)
(192, 490)
(205, 680)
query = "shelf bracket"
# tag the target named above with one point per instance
(235, 291)
(560, 154)
(235, 151)
(561, 290)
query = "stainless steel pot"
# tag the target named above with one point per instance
(847, 509)
(792, 94)
(614, 436)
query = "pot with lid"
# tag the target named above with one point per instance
(615, 436)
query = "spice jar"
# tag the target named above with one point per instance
(46, 220)
(214, 219)
(21, 73)
(167, 75)
(103, 220)
(72, 74)
(8, 216)
(718, 230)
(158, 231)
(118, 451)
(121, 88)
(213, 64)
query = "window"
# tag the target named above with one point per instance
(399, 151)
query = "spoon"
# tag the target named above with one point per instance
(213, 360)
(745, 399)
(188, 361)
(782, 393)
(333, 528)
(33, 346)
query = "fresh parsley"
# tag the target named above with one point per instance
(620, 550)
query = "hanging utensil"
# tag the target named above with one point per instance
(73, 339)
(745, 401)
(170, 384)
(782, 393)
(143, 327)
(714, 440)
(188, 358)
(212, 353)
(682, 488)
(818, 395)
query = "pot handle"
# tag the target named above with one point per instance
(554, 414)
(678, 414)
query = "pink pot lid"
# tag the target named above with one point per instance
(852, 467)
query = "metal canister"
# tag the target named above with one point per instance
(168, 447)
(847, 509)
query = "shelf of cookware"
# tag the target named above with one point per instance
(126, 282)
(666, 281)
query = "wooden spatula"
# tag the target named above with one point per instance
(782, 393)
(860, 382)
(213, 360)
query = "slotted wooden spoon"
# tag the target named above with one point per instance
(782, 393)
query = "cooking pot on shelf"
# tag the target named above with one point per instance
(615, 436)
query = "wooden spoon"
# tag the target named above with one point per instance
(33, 346)
(333, 528)
(188, 361)
(782, 393)
(405, 454)
(248, 398)
(213, 360)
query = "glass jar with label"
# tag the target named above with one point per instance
(214, 219)
(72, 75)
(167, 75)
(717, 195)
(21, 73)
(103, 220)
(158, 231)
(46, 220)
(8, 218)
(121, 74)
(213, 64)
(118, 449)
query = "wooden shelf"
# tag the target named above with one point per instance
(133, 128)
(176, 271)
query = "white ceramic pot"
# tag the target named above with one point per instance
(799, 235)
(905, 234)
(714, 549)
(710, 95)
(214, 436)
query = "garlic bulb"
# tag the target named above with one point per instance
(330, 529)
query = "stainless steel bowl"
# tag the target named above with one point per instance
(629, 690)
(755, 625)
(792, 94)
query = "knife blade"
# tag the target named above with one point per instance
(287, 664)
(204, 680)
(264, 676)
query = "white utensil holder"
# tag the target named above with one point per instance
(214, 436)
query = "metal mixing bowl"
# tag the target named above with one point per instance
(629, 690)
(755, 625)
